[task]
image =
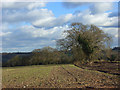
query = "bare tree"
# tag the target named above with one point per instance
(84, 41)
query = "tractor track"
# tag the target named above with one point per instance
(70, 74)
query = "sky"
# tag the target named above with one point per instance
(33, 25)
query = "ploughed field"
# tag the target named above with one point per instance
(56, 76)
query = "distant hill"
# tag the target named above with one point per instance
(116, 49)
(8, 56)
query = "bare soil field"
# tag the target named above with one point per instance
(57, 76)
(106, 67)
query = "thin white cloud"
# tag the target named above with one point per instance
(101, 7)
(28, 16)
(52, 33)
(112, 31)
(116, 35)
(21, 5)
(4, 33)
(36, 5)
(53, 21)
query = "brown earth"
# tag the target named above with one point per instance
(103, 66)
(65, 76)
(73, 77)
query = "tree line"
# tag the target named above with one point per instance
(82, 43)
(44, 56)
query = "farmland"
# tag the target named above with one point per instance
(56, 76)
